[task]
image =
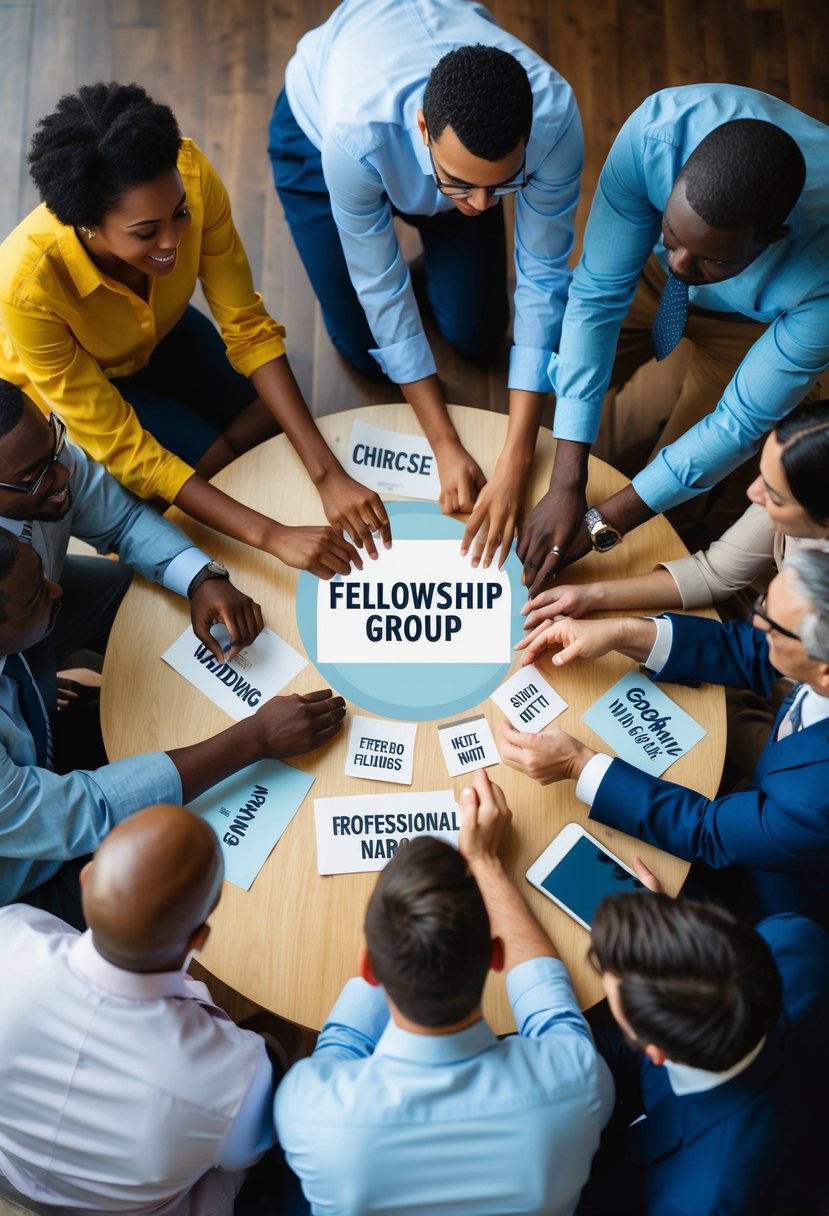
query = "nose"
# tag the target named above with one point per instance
(683, 263)
(53, 590)
(756, 492)
(481, 199)
(169, 239)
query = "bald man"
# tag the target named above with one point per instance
(123, 1088)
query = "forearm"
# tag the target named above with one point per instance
(509, 914)
(427, 400)
(522, 429)
(570, 466)
(625, 509)
(275, 384)
(202, 765)
(205, 503)
(655, 590)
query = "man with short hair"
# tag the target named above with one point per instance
(720, 1061)
(427, 110)
(47, 819)
(771, 841)
(410, 1103)
(123, 1088)
(712, 199)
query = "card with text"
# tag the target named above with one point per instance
(467, 745)
(381, 750)
(642, 724)
(390, 462)
(528, 700)
(362, 832)
(239, 687)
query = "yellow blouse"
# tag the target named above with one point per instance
(66, 328)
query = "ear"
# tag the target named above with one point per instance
(820, 682)
(421, 126)
(365, 969)
(496, 960)
(198, 938)
(84, 874)
(782, 231)
(655, 1054)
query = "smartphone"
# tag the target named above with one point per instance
(576, 872)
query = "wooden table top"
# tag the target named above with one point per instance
(290, 943)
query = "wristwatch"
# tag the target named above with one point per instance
(603, 536)
(211, 570)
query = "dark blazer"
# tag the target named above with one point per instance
(753, 1146)
(777, 831)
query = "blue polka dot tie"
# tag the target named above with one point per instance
(669, 322)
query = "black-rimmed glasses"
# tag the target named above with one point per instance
(32, 487)
(759, 609)
(453, 190)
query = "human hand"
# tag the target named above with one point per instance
(646, 876)
(562, 599)
(293, 725)
(548, 756)
(578, 639)
(485, 817)
(320, 550)
(553, 536)
(353, 508)
(461, 477)
(215, 600)
(77, 684)
(494, 520)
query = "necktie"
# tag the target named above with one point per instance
(792, 719)
(32, 708)
(669, 322)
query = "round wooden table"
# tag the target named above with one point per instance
(290, 943)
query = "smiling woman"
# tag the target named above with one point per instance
(96, 324)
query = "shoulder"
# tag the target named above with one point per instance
(31, 260)
(801, 952)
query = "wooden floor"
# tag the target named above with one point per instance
(220, 63)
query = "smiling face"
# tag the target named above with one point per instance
(771, 490)
(698, 253)
(144, 230)
(25, 452)
(457, 167)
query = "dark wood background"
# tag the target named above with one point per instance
(219, 64)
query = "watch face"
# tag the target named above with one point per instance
(606, 538)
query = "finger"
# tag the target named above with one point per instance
(201, 628)
(478, 546)
(318, 694)
(547, 572)
(466, 491)
(507, 537)
(469, 807)
(448, 501)
(572, 651)
(374, 515)
(472, 527)
(335, 560)
(496, 534)
(645, 875)
(537, 603)
(368, 540)
(258, 619)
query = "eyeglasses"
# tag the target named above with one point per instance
(453, 190)
(759, 609)
(32, 487)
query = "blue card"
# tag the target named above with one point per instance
(642, 724)
(249, 812)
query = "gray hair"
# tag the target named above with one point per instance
(810, 566)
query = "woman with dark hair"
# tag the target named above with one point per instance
(96, 324)
(790, 503)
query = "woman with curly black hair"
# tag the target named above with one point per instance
(96, 324)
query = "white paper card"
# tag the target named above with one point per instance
(467, 744)
(239, 687)
(419, 602)
(390, 462)
(528, 700)
(359, 833)
(642, 724)
(381, 750)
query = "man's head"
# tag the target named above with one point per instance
(731, 200)
(794, 615)
(476, 119)
(150, 888)
(29, 602)
(685, 981)
(427, 934)
(34, 482)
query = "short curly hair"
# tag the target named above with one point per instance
(747, 173)
(96, 145)
(484, 95)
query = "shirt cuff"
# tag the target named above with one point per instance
(541, 995)
(411, 359)
(661, 649)
(660, 488)
(528, 369)
(574, 420)
(180, 572)
(592, 775)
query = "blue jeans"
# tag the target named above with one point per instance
(465, 257)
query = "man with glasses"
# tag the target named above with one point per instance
(771, 841)
(427, 110)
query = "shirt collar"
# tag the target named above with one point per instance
(436, 1048)
(687, 1080)
(84, 273)
(85, 961)
(813, 708)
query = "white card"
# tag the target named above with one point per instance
(361, 833)
(528, 700)
(239, 687)
(381, 750)
(468, 744)
(419, 602)
(393, 463)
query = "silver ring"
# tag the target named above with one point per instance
(555, 550)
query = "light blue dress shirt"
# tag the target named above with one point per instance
(380, 1119)
(787, 287)
(355, 85)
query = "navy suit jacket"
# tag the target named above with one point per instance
(779, 829)
(755, 1145)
